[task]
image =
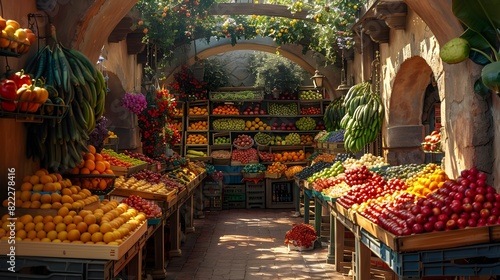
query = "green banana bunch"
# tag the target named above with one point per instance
(334, 113)
(363, 119)
(79, 90)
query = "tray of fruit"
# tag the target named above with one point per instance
(92, 182)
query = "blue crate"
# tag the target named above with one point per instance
(232, 174)
(58, 267)
(439, 262)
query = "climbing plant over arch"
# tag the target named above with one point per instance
(322, 26)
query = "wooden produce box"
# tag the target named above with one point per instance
(127, 171)
(273, 175)
(348, 213)
(72, 250)
(239, 163)
(146, 195)
(431, 240)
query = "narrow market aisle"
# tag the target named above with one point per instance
(247, 244)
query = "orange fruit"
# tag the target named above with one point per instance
(34, 179)
(52, 235)
(96, 237)
(46, 198)
(60, 227)
(72, 213)
(49, 226)
(70, 227)
(67, 199)
(62, 235)
(93, 228)
(90, 165)
(66, 191)
(82, 227)
(89, 156)
(31, 234)
(55, 197)
(105, 228)
(100, 166)
(85, 237)
(90, 219)
(107, 164)
(84, 170)
(77, 219)
(26, 196)
(26, 186)
(26, 218)
(38, 219)
(44, 179)
(73, 235)
(26, 204)
(29, 226)
(91, 149)
(98, 157)
(108, 237)
(56, 205)
(41, 234)
(68, 219)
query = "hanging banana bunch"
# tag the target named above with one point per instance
(363, 119)
(59, 143)
(334, 112)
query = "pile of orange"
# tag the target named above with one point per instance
(276, 168)
(226, 109)
(93, 163)
(196, 139)
(110, 224)
(257, 124)
(288, 156)
(198, 111)
(199, 125)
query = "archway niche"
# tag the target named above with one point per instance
(405, 128)
(120, 120)
(307, 62)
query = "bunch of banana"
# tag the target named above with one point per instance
(334, 112)
(363, 119)
(59, 143)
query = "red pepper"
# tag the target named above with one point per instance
(8, 89)
(20, 78)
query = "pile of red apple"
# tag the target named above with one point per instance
(283, 126)
(466, 202)
(254, 110)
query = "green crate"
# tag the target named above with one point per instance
(234, 197)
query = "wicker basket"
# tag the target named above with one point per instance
(245, 147)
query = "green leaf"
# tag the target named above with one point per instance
(480, 16)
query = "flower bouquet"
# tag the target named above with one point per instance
(187, 87)
(300, 237)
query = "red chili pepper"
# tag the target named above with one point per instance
(20, 78)
(8, 89)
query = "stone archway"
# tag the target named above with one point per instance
(405, 130)
(293, 52)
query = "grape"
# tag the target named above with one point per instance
(148, 207)
(306, 123)
(134, 102)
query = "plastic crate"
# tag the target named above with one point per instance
(234, 205)
(234, 197)
(58, 268)
(234, 189)
(255, 188)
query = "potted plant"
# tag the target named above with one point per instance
(301, 237)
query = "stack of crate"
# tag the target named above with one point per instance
(256, 194)
(212, 195)
(233, 196)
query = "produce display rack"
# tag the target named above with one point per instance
(470, 252)
(181, 118)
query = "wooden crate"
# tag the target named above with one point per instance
(221, 134)
(146, 195)
(127, 171)
(79, 251)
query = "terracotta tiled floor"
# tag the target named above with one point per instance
(247, 244)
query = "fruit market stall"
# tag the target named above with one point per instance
(414, 218)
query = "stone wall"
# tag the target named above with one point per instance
(409, 61)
